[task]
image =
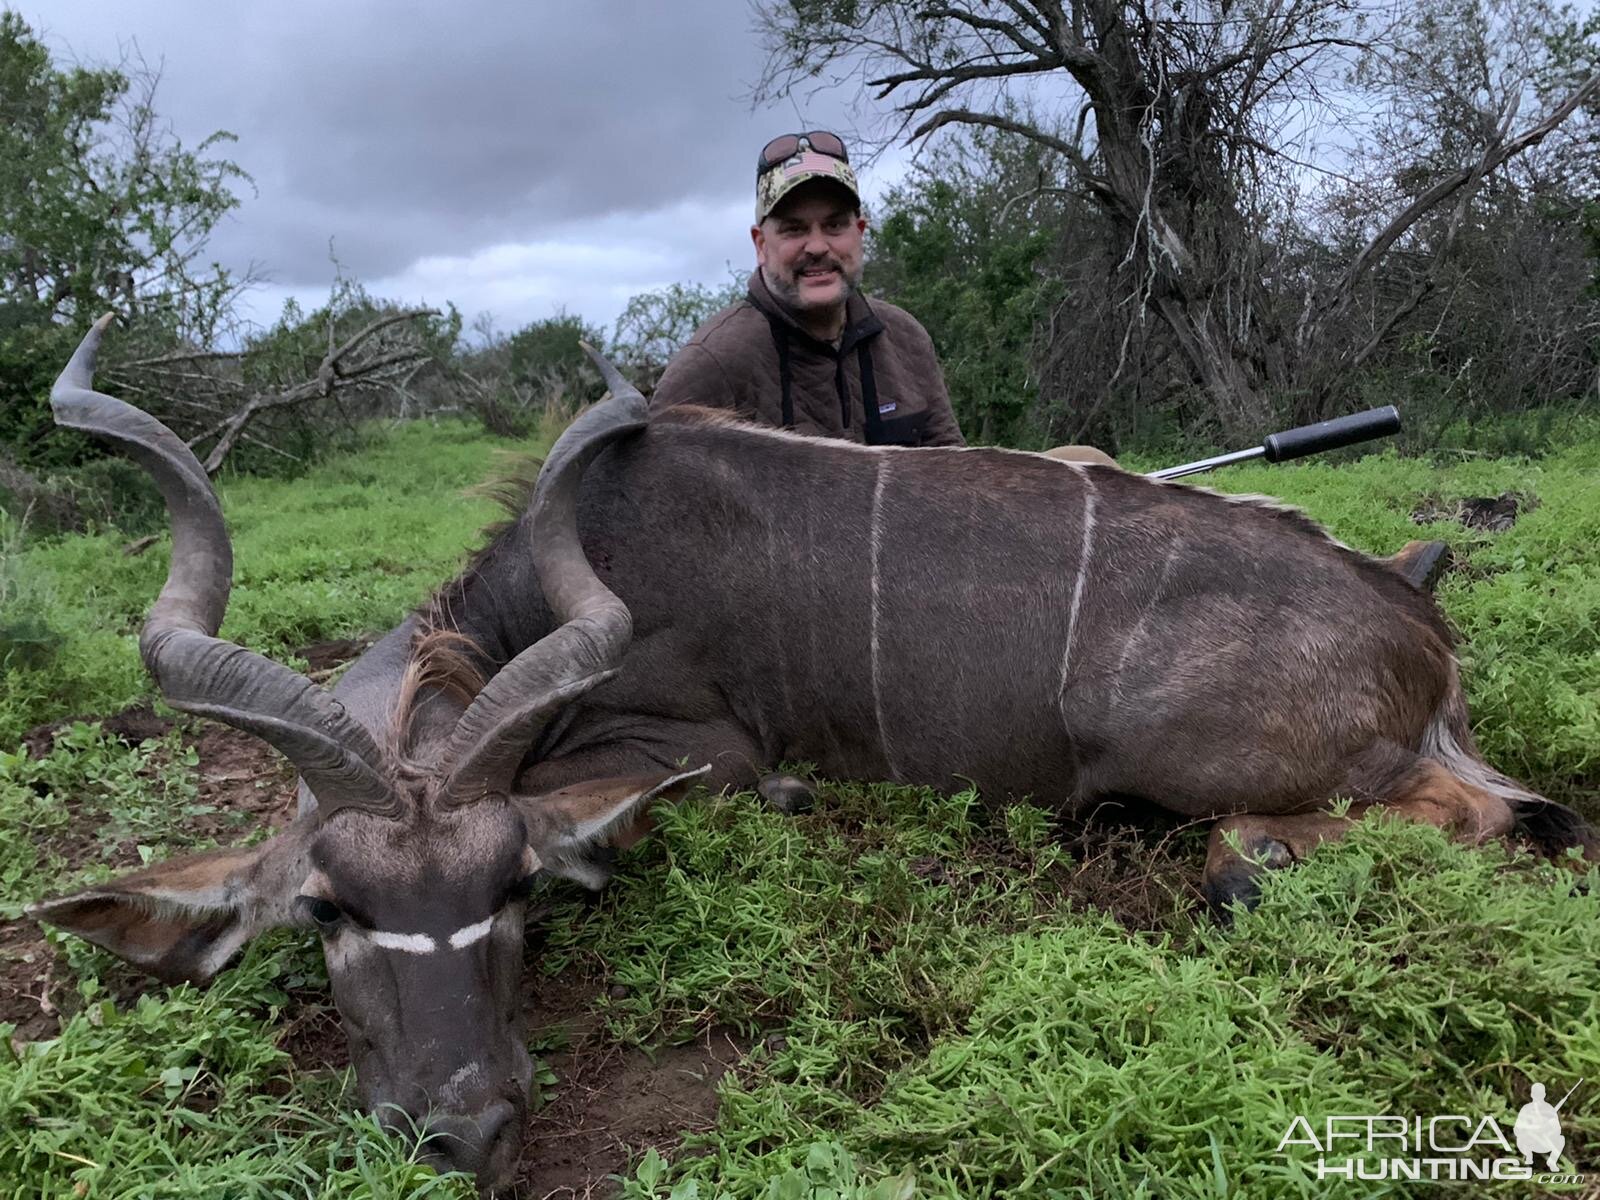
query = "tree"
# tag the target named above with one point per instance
(548, 354)
(100, 207)
(1192, 127)
(655, 325)
(284, 392)
(952, 247)
(98, 200)
(538, 374)
(1459, 216)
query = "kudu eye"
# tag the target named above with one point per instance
(324, 912)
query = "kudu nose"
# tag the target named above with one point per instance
(483, 1144)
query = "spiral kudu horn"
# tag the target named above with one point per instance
(506, 718)
(196, 671)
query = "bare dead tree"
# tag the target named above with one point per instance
(1187, 123)
(214, 397)
(1461, 185)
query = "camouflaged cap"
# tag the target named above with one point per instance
(773, 185)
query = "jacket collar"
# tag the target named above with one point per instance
(860, 322)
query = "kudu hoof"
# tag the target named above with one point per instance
(1235, 883)
(789, 794)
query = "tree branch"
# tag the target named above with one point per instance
(1446, 187)
(952, 77)
(957, 116)
(990, 25)
(181, 356)
(328, 378)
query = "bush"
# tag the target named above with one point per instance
(32, 352)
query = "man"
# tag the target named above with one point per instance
(805, 350)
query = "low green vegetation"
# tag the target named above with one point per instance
(941, 999)
(185, 1093)
(1070, 1056)
(339, 553)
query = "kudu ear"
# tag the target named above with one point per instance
(182, 920)
(567, 827)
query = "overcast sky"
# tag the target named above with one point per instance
(516, 158)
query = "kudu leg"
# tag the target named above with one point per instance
(1420, 790)
(732, 756)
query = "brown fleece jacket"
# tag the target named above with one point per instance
(753, 356)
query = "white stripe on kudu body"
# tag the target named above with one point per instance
(876, 550)
(1084, 551)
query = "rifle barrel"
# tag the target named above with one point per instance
(1209, 464)
(1298, 443)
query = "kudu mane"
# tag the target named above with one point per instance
(443, 659)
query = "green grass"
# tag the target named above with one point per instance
(991, 1041)
(935, 1009)
(92, 785)
(343, 551)
(185, 1094)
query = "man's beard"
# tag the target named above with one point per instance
(787, 289)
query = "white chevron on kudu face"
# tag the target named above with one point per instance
(423, 943)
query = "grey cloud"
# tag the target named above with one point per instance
(408, 130)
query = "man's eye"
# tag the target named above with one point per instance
(324, 912)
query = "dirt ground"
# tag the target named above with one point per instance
(232, 765)
(609, 1103)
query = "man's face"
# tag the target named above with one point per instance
(810, 247)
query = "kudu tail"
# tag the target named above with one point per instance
(1551, 826)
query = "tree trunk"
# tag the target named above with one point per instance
(1239, 403)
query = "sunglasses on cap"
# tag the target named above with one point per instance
(784, 147)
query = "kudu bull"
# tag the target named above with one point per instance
(719, 594)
